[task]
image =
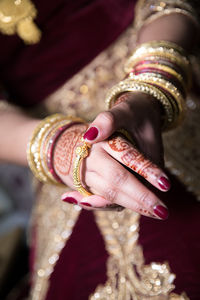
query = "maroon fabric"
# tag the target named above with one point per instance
(73, 33)
(82, 263)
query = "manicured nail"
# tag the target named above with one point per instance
(91, 134)
(86, 204)
(70, 200)
(161, 212)
(164, 183)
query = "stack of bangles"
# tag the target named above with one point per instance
(160, 69)
(41, 148)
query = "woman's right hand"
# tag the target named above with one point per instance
(104, 174)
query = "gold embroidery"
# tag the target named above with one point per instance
(16, 16)
(128, 277)
(53, 221)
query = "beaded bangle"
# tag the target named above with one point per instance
(132, 86)
(165, 85)
(159, 74)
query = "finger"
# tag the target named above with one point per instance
(119, 186)
(106, 123)
(91, 202)
(131, 157)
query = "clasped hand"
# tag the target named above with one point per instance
(106, 171)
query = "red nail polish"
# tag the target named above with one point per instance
(86, 204)
(161, 212)
(164, 183)
(91, 134)
(70, 200)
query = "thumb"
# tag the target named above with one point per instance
(101, 128)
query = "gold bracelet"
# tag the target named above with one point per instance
(154, 49)
(169, 11)
(81, 153)
(165, 84)
(165, 69)
(35, 162)
(45, 141)
(33, 149)
(136, 86)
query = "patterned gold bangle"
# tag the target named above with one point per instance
(81, 153)
(136, 86)
(165, 84)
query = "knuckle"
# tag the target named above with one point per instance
(144, 198)
(110, 194)
(107, 118)
(120, 178)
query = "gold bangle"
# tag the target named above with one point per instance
(33, 149)
(165, 84)
(45, 141)
(81, 153)
(34, 146)
(169, 11)
(165, 69)
(146, 50)
(136, 86)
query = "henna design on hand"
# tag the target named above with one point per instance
(64, 149)
(117, 144)
(133, 158)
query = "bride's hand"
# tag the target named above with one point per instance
(106, 177)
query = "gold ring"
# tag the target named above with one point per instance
(81, 153)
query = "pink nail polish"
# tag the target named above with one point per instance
(70, 200)
(164, 183)
(161, 212)
(86, 204)
(91, 134)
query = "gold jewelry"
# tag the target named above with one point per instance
(136, 86)
(163, 68)
(148, 11)
(44, 145)
(16, 16)
(160, 49)
(81, 153)
(34, 146)
(33, 150)
(165, 84)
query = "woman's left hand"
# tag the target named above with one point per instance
(140, 115)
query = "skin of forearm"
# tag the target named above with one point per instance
(15, 131)
(175, 28)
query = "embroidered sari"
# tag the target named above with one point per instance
(102, 255)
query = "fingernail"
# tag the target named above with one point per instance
(164, 183)
(70, 200)
(91, 134)
(86, 204)
(161, 212)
